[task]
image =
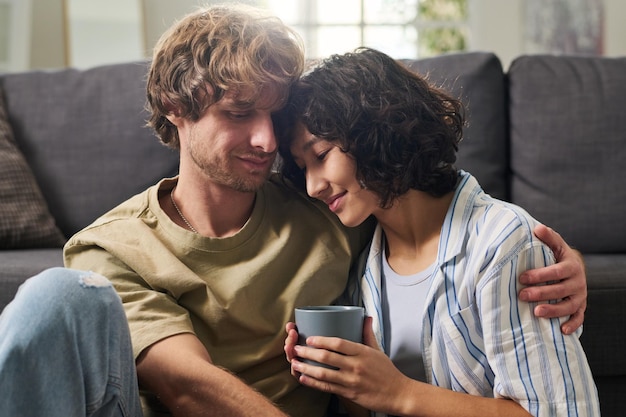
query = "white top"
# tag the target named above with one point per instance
(403, 309)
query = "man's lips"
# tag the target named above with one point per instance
(258, 162)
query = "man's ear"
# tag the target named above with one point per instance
(174, 118)
(173, 113)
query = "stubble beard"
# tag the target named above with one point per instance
(221, 168)
(221, 171)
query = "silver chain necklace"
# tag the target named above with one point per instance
(180, 213)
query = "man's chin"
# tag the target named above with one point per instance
(252, 182)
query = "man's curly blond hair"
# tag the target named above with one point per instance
(214, 50)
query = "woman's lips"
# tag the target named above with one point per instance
(334, 202)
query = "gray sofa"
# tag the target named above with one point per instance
(549, 134)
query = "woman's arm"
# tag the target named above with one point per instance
(533, 362)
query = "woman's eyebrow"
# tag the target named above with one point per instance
(309, 143)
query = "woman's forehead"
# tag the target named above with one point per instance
(303, 140)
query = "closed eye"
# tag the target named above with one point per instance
(238, 116)
(321, 156)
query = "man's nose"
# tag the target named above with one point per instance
(263, 136)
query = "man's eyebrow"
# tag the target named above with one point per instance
(243, 104)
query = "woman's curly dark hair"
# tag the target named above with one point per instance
(402, 132)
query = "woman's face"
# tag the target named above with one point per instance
(331, 177)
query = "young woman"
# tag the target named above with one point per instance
(446, 334)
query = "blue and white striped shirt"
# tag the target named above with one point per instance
(478, 338)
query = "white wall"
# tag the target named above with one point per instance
(102, 32)
(161, 14)
(498, 26)
(615, 30)
(15, 32)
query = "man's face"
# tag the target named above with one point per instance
(233, 142)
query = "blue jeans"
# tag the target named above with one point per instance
(65, 349)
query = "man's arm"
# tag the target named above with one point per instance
(570, 282)
(179, 371)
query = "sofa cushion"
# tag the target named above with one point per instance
(568, 138)
(477, 79)
(606, 312)
(24, 217)
(19, 265)
(83, 133)
(603, 338)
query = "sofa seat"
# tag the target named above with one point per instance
(19, 264)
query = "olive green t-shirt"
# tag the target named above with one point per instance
(235, 293)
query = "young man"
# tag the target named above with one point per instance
(210, 264)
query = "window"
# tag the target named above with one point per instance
(104, 31)
(400, 28)
(14, 35)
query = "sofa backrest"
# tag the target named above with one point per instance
(477, 79)
(568, 141)
(83, 134)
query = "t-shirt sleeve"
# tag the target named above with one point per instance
(152, 313)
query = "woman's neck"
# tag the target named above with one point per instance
(412, 227)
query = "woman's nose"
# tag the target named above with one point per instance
(315, 184)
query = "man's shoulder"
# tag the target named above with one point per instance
(118, 217)
(278, 183)
(280, 193)
(296, 207)
(129, 209)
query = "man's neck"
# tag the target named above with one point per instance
(212, 210)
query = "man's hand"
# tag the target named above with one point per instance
(567, 279)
